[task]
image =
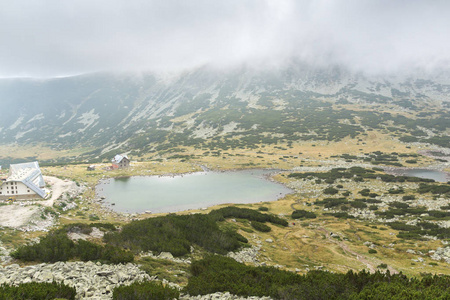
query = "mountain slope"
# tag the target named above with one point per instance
(209, 108)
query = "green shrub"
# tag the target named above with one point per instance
(246, 213)
(260, 226)
(222, 274)
(94, 218)
(364, 192)
(332, 202)
(340, 215)
(373, 207)
(358, 204)
(330, 191)
(37, 291)
(396, 191)
(263, 208)
(176, 234)
(51, 248)
(303, 214)
(372, 251)
(399, 205)
(411, 161)
(144, 291)
(56, 246)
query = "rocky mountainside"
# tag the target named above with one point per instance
(211, 108)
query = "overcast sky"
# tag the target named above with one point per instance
(44, 38)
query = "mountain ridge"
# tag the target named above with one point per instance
(127, 111)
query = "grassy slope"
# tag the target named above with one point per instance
(305, 245)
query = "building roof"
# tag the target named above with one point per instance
(118, 158)
(29, 174)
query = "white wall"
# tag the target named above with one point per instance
(7, 188)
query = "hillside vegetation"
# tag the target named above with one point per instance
(92, 117)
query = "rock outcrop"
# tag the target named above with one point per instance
(91, 280)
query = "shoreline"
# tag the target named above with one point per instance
(400, 171)
(102, 199)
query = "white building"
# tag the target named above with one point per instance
(120, 161)
(24, 182)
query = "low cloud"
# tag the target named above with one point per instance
(55, 38)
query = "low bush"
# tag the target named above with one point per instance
(330, 191)
(176, 234)
(260, 226)
(442, 189)
(37, 291)
(222, 274)
(246, 213)
(332, 202)
(399, 205)
(358, 204)
(340, 215)
(373, 207)
(56, 246)
(303, 214)
(144, 291)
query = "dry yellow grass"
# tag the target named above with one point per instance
(40, 152)
(302, 246)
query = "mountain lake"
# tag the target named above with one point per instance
(160, 194)
(439, 176)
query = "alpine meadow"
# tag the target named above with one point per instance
(224, 150)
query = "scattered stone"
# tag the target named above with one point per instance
(91, 281)
(246, 255)
(105, 273)
(441, 254)
(165, 255)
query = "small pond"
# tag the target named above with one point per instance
(190, 191)
(422, 173)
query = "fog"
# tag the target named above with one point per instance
(46, 38)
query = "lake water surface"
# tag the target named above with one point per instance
(423, 173)
(190, 191)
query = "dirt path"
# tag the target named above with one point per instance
(344, 247)
(58, 187)
(358, 256)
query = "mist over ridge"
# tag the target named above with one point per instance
(51, 38)
(209, 107)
